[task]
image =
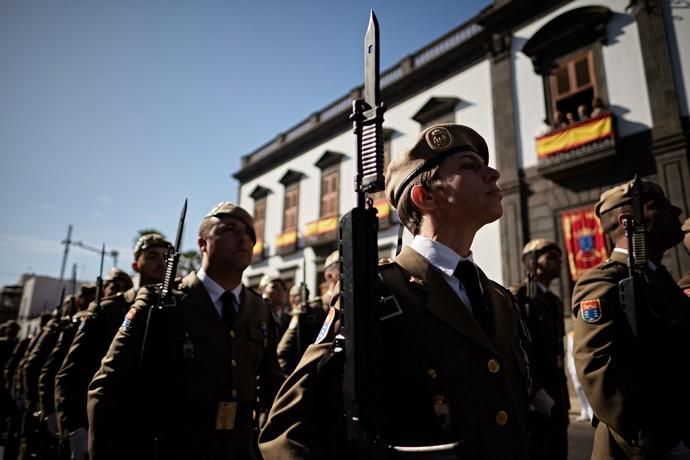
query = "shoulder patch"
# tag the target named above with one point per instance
(327, 325)
(128, 321)
(590, 310)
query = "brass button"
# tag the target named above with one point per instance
(432, 373)
(493, 366)
(233, 363)
(232, 334)
(501, 417)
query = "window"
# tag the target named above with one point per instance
(437, 110)
(572, 83)
(330, 191)
(290, 207)
(260, 218)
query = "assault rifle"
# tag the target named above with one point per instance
(166, 298)
(99, 281)
(631, 289)
(359, 290)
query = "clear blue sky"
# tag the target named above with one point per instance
(112, 112)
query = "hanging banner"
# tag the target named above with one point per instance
(584, 240)
(573, 136)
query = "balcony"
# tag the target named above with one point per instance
(324, 230)
(579, 147)
(286, 242)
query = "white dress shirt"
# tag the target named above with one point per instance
(215, 291)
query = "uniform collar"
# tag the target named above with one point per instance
(624, 251)
(438, 254)
(214, 289)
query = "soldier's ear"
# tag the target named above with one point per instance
(422, 198)
(135, 266)
(202, 245)
(622, 217)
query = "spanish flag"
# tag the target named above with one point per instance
(573, 136)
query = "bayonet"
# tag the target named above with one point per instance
(171, 262)
(99, 279)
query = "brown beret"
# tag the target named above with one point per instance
(116, 273)
(150, 240)
(431, 147)
(620, 195)
(686, 225)
(226, 208)
(87, 290)
(539, 245)
(333, 258)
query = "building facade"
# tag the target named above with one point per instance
(572, 97)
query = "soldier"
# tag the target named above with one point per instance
(636, 384)
(116, 281)
(542, 311)
(46, 380)
(303, 329)
(94, 336)
(331, 274)
(453, 368)
(193, 392)
(274, 290)
(684, 282)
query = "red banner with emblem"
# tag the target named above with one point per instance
(584, 240)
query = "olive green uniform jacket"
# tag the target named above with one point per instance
(638, 388)
(83, 359)
(301, 332)
(193, 370)
(443, 379)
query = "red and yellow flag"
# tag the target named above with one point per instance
(573, 136)
(584, 240)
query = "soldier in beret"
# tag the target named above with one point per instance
(116, 281)
(684, 282)
(636, 384)
(331, 275)
(274, 290)
(542, 311)
(453, 367)
(94, 335)
(193, 393)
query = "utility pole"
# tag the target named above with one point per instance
(67, 241)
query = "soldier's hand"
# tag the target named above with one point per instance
(78, 443)
(543, 402)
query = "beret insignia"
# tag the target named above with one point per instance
(590, 310)
(439, 139)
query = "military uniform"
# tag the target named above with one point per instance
(684, 282)
(543, 316)
(84, 357)
(302, 330)
(198, 380)
(443, 379)
(637, 388)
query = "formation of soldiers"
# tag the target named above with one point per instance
(226, 372)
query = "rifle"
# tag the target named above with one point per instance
(631, 289)
(99, 281)
(166, 298)
(359, 297)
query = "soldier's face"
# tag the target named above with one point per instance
(150, 265)
(467, 192)
(275, 293)
(550, 263)
(663, 223)
(686, 242)
(228, 243)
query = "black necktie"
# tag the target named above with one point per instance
(229, 313)
(466, 272)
